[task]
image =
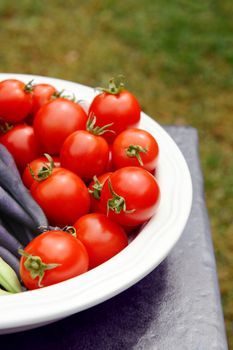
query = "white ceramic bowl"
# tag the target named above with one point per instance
(35, 308)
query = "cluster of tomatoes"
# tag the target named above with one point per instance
(90, 171)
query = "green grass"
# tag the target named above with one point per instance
(178, 59)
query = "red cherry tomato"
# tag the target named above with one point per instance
(64, 255)
(85, 154)
(36, 165)
(63, 196)
(15, 100)
(110, 162)
(130, 196)
(118, 106)
(95, 188)
(102, 237)
(22, 143)
(55, 121)
(135, 147)
(42, 93)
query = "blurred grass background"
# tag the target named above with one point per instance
(178, 59)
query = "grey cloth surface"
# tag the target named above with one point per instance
(175, 307)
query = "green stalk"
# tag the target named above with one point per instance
(8, 278)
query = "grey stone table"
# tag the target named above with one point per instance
(175, 307)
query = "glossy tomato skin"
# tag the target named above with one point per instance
(137, 137)
(95, 197)
(85, 154)
(141, 192)
(55, 247)
(110, 161)
(122, 109)
(36, 166)
(55, 121)
(63, 196)
(102, 237)
(42, 93)
(22, 143)
(15, 101)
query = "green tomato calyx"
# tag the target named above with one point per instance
(36, 266)
(28, 88)
(116, 203)
(97, 130)
(45, 171)
(96, 188)
(71, 230)
(5, 127)
(62, 94)
(57, 94)
(134, 151)
(115, 85)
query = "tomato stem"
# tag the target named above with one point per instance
(116, 203)
(134, 151)
(5, 127)
(97, 188)
(45, 171)
(60, 94)
(36, 266)
(57, 94)
(71, 230)
(97, 130)
(29, 87)
(115, 86)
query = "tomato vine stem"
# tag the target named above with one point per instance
(97, 130)
(36, 266)
(115, 85)
(116, 203)
(97, 188)
(134, 151)
(45, 171)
